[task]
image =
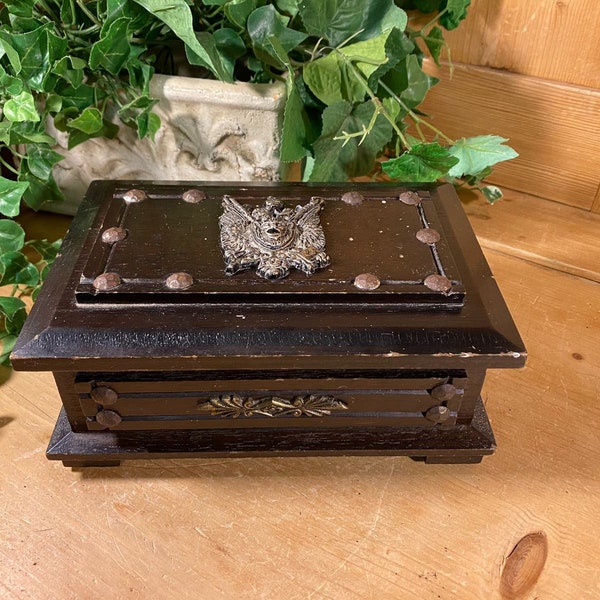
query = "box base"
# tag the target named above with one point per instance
(458, 444)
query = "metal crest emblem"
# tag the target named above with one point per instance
(272, 238)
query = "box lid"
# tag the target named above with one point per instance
(374, 246)
(172, 275)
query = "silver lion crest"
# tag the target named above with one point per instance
(272, 238)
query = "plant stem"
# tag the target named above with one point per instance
(87, 13)
(434, 20)
(8, 166)
(414, 116)
(379, 108)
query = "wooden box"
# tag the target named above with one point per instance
(211, 319)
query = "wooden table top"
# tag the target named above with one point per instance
(346, 527)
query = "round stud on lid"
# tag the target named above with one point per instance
(438, 283)
(179, 281)
(411, 198)
(428, 236)
(367, 281)
(134, 195)
(107, 281)
(112, 235)
(194, 196)
(353, 198)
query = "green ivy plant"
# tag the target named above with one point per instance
(352, 69)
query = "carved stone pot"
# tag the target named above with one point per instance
(210, 131)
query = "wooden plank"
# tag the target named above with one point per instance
(596, 204)
(324, 528)
(552, 126)
(541, 38)
(540, 231)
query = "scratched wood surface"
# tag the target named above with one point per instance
(340, 528)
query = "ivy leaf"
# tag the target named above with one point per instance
(70, 69)
(339, 20)
(47, 250)
(418, 82)
(492, 193)
(294, 127)
(265, 22)
(331, 81)
(28, 132)
(477, 153)
(112, 50)
(238, 11)
(39, 191)
(38, 50)
(455, 13)
(16, 269)
(420, 164)
(11, 85)
(21, 108)
(41, 159)
(176, 14)
(12, 236)
(8, 343)
(293, 134)
(338, 160)
(77, 136)
(10, 201)
(434, 40)
(13, 56)
(289, 7)
(14, 312)
(230, 47)
(89, 121)
(21, 8)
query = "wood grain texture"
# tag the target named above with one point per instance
(553, 126)
(548, 39)
(329, 528)
(545, 233)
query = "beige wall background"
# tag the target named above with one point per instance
(529, 70)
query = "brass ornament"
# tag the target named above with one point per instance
(234, 406)
(272, 238)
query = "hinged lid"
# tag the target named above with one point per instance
(163, 245)
(141, 283)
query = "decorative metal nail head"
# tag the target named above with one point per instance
(112, 235)
(367, 281)
(134, 195)
(107, 281)
(353, 198)
(411, 198)
(194, 196)
(438, 283)
(179, 281)
(428, 236)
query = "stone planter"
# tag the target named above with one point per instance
(209, 131)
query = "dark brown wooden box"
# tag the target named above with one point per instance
(158, 353)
